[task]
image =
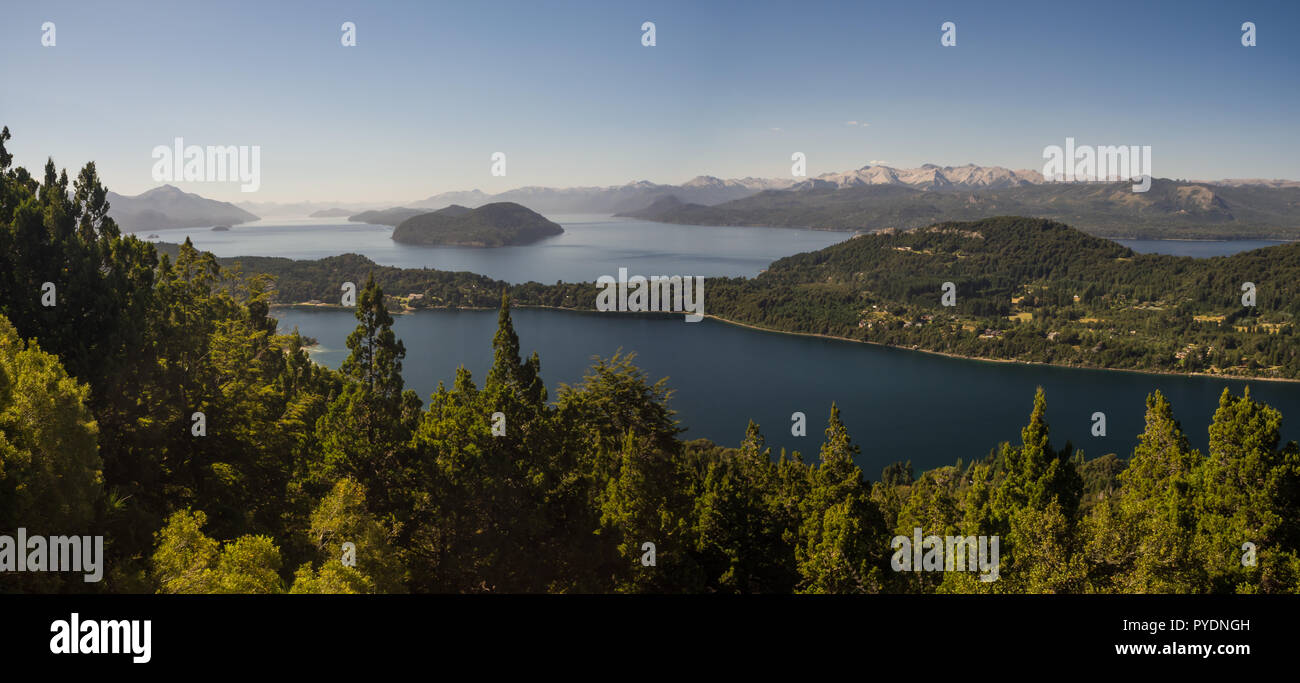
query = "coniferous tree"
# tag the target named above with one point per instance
(366, 431)
(742, 533)
(842, 538)
(1147, 531)
(50, 471)
(1248, 491)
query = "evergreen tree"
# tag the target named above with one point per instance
(50, 471)
(1148, 530)
(645, 503)
(741, 530)
(366, 431)
(1248, 491)
(842, 538)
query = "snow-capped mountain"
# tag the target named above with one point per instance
(711, 190)
(927, 177)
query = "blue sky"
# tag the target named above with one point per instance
(568, 92)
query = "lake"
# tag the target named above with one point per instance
(1197, 248)
(898, 404)
(590, 247)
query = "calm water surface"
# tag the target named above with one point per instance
(1196, 248)
(591, 246)
(897, 404)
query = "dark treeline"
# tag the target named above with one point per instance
(500, 486)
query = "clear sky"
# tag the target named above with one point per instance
(569, 93)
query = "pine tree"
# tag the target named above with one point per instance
(1154, 518)
(1248, 491)
(842, 538)
(366, 431)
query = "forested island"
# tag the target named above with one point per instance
(1025, 289)
(154, 402)
(499, 224)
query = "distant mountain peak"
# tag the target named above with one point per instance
(168, 206)
(165, 190)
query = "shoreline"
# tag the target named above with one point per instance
(918, 349)
(873, 231)
(1013, 361)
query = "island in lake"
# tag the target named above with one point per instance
(1025, 289)
(499, 224)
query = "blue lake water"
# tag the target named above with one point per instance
(591, 246)
(898, 404)
(1197, 248)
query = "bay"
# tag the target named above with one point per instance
(897, 404)
(591, 246)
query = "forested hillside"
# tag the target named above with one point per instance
(152, 401)
(1025, 289)
(498, 224)
(1039, 291)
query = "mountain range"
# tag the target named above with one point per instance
(1169, 209)
(867, 198)
(710, 190)
(170, 207)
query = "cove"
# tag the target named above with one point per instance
(897, 404)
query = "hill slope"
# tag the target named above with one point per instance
(491, 225)
(170, 207)
(1035, 290)
(391, 216)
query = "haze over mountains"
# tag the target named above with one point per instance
(1169, 210)
(170, 207)
(872, 197)
(710, 190)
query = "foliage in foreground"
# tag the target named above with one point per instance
(99, 434)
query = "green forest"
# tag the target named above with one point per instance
(498, 224)
(1035, 290)
(505, 485)
(1025, 289)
